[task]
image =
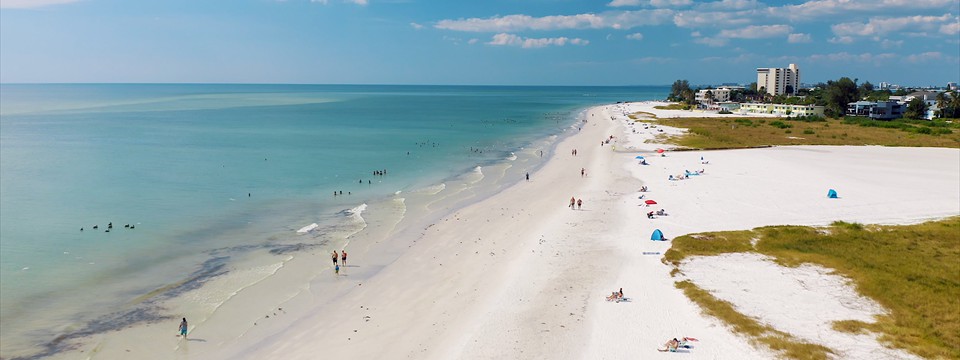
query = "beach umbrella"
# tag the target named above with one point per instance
(639, 157)
(650, 202)
(659, 151)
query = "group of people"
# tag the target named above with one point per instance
(576, 203)
(342, 256)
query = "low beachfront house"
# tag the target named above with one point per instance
(878, 110)
(781, 109)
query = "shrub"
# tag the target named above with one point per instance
(808, 131)
(781, 124)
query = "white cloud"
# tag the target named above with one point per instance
(848, 57)
(695, 34)
(880, 26)
(694, 19)
(840, 40)
(27, 4)
(319, 1)
(358, 2)
(953, 28)
(504, 39)
(817, 8)
(511, 23)
(654, 3)
(473, 41)
(757, 32)
(416, 26)
(798, 38)
(711, 41)
(925, 57)
(670, 3)
(635, 36)
(729, 5)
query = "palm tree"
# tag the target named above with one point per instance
(942, 103)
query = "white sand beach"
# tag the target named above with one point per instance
(521, 275)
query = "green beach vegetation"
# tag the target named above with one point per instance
(725, 133)
(913, 271)
(833, 95)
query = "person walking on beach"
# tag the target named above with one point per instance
(573, 202)
(335, 256)
(579, 203)
(183, 328)
(336, 270)
(343, 257)
(583, 172)
(528, 176)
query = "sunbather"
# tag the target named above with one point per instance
(670, 345)
(616, 296)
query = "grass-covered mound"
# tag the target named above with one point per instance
(913, 271)
(724, 133)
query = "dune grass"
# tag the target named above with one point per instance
(786, 344)
(724, 133)
(674, 106)
(913, 271)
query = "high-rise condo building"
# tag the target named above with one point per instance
(776, 81)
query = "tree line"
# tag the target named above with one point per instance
(834, 95)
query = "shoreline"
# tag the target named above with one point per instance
(434, 200)
(519, 275)
(516, 274)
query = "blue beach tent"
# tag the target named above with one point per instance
(657, 235)
(639, 157)
(832, 194)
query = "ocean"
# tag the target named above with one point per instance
(116, 200)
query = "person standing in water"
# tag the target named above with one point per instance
(183, 328)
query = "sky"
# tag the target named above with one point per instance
(477, 42)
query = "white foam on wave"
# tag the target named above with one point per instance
(478, 170)
(355, 214)
(512, 157)
(213, 295)
(357, 211)
(308, 228)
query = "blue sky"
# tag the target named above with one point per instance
(483, 42)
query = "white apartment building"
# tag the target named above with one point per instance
(719, 95)
(777, 80)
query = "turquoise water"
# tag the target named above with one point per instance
(201, 168)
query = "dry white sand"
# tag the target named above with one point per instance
(521, 275)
